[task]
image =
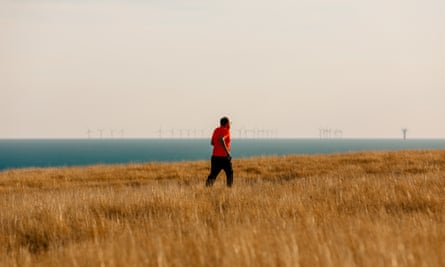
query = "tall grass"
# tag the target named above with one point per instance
(358, 209)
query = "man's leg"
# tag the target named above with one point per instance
(215, 168)
(229, 172)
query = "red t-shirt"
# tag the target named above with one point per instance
(218, 149)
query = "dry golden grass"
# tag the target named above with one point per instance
(358, 209)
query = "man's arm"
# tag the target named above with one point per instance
(223, 143)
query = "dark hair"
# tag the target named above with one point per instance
(224, 121)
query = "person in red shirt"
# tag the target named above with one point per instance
(221, 158)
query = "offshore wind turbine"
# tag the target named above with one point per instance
(248, 133)
(101, 132)
(338, 133)
(404, 130)
(325, 133)
(160, 132)
(270, 133)
(260, 133)
(89, 133)
(240, 133)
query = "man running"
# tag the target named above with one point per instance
(221, 159)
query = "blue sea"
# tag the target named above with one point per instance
(80, 152)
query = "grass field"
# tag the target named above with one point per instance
(357, 209)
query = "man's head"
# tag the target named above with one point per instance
(224, 121)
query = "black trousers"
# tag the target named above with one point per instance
(218, 164)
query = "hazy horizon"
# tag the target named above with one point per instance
(367, 68)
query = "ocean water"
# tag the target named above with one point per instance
(81, 152)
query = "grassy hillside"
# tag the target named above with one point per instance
(359, 209)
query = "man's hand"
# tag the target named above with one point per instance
(223, 144)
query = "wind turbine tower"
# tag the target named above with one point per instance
(160, 132)
(404, 130)
(89, 132)
(101, 132)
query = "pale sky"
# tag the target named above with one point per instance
(369, 68)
